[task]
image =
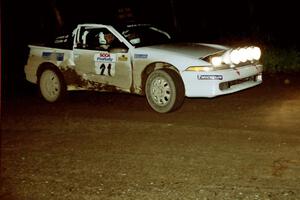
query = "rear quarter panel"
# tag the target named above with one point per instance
(38, 55)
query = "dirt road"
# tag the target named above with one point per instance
(113, 146)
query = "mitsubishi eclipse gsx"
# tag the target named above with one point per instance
(140, 59)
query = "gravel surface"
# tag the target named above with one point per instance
(113, 146)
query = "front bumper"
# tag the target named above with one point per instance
(215, 83)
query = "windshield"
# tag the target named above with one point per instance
(140, 36)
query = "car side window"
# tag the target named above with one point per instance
(100, 39)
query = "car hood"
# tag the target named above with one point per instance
(192, 50)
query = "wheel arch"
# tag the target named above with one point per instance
(152, 67)
(44, 66)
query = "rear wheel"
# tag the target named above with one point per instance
(52, 85)
(164, 90)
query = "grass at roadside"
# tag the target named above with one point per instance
(276, 59)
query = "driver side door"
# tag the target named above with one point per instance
(105, 69)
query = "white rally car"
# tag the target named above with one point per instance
(140, 59)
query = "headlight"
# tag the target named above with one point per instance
(216, 61)
(226, 58)
(239, 55)
(234, 57)
(249, 53)
(199, 69)
(230, 58)
(256, 53)
(243, 54)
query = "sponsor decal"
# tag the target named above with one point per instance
(123, 58)
(104, 57)
(46, 55)
(59, 56)
(209, 77)
(50, 55)
(141, 56)
(105, 63)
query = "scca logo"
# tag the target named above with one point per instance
(105, 55)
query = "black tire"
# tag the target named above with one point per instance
(51, 84)
(164, 90)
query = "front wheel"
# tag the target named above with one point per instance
(51, 84)
(164, 90)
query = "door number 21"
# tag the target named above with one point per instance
(105, 69)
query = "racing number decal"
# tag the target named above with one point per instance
(105, 63)
(102, 68)
(105, 69)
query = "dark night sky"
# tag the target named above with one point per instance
(200, 20)
(266, 22)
